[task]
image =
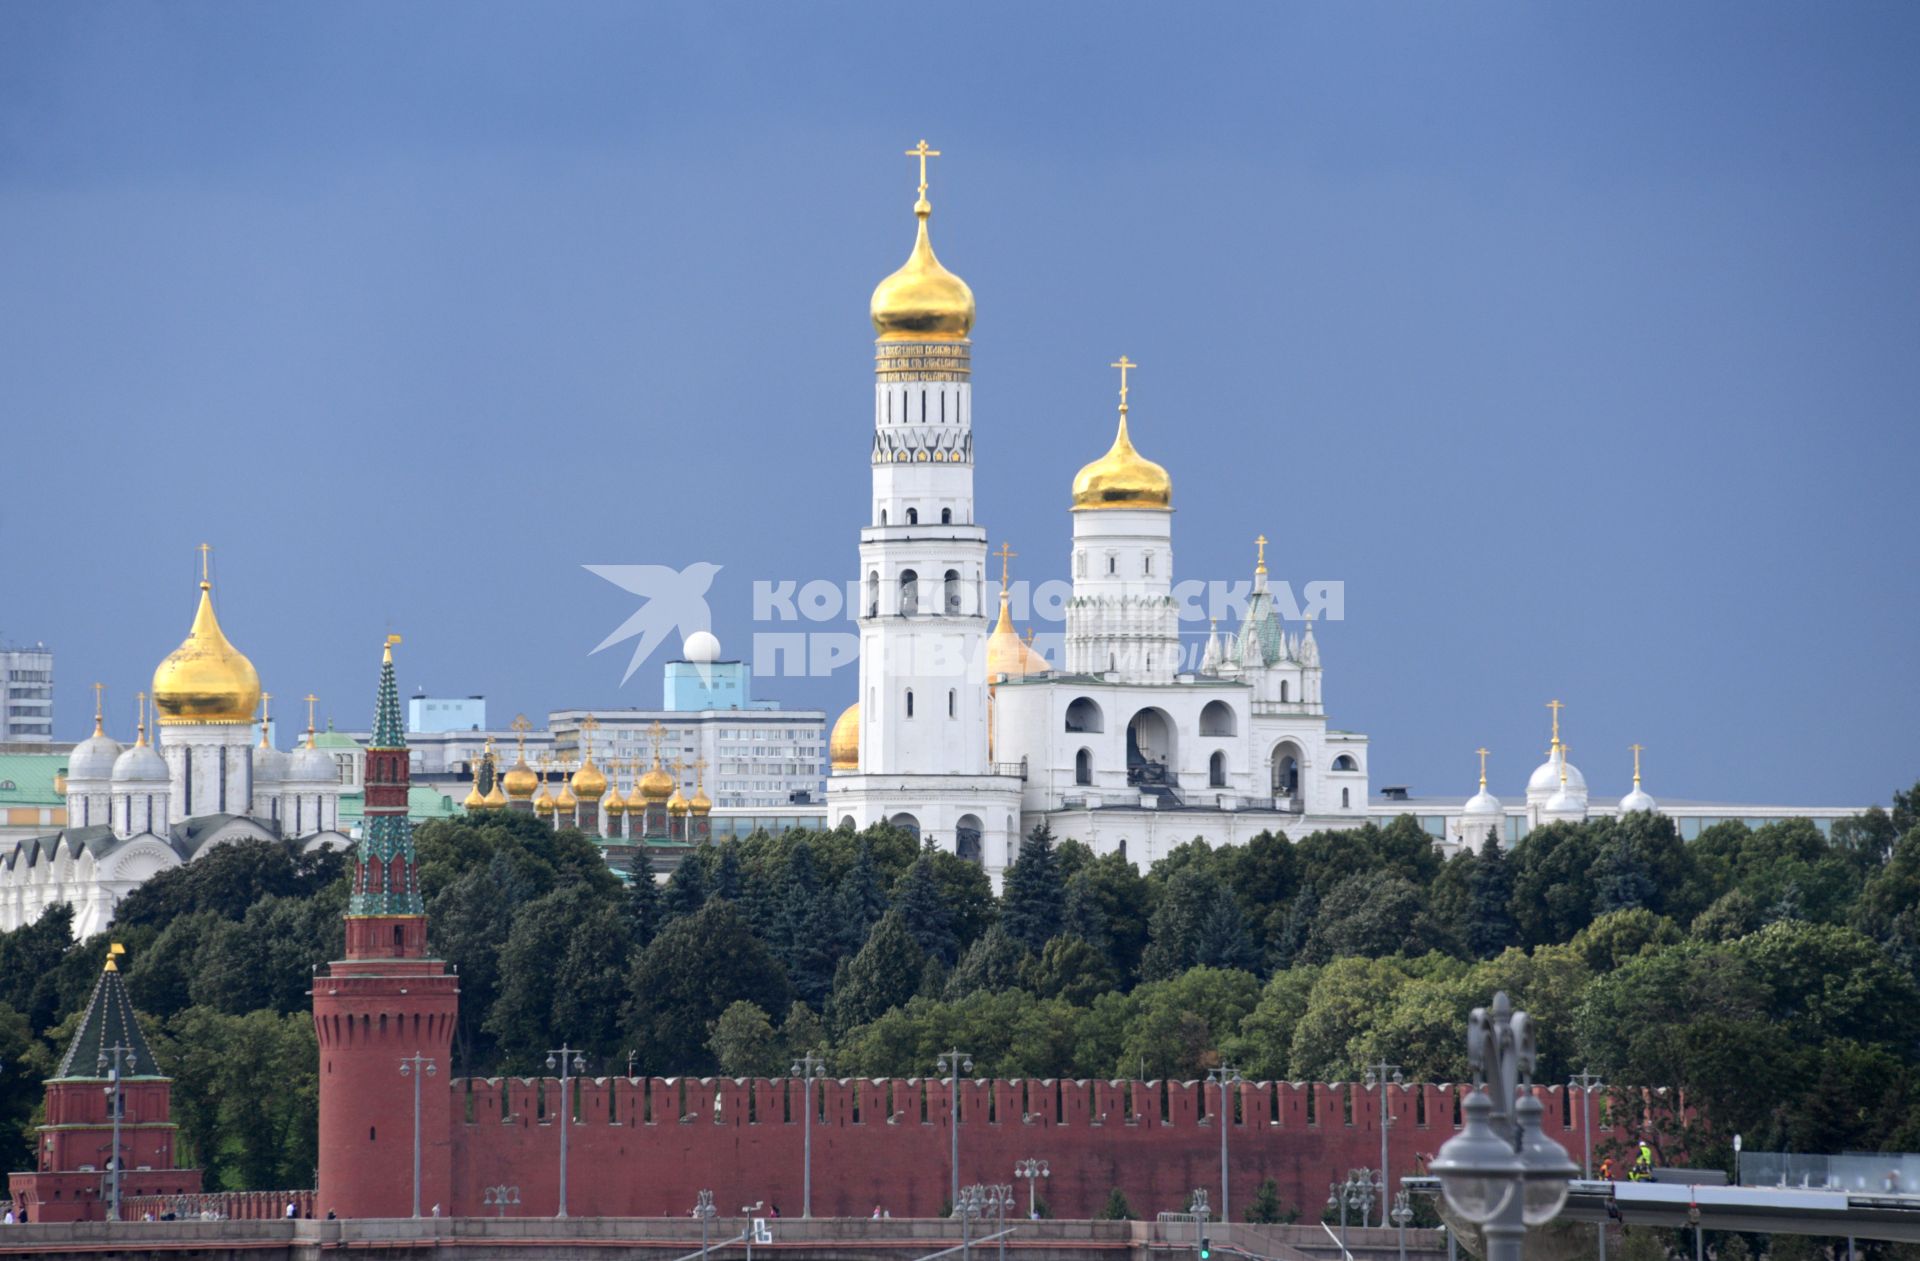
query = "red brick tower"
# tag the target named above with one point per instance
(73, 1181)
(384, 1003)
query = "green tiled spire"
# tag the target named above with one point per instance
(109, 1022)
(388, 731)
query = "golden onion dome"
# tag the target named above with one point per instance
(843, 747)
(520, 781)
(206, 679)
(566, 801)
(475, 799)
(655, 785)
(677, 804)
(589, 784)
(615, 805)
(923, 301)
(1007, 653)
(700, 803)
(1122, 478)
(543, 804)
(496, 799)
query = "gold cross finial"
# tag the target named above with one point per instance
(1636, 763)
(206, 551)
(1483, 768)
(140, 720)
(387, 651)
(699, 773)
(655, 734)
(1556, 706)
(588, 726)
(1260, 564)
(99, 714)
(922, 152)
(312, 700)
(1124, 364)
(1006, 553)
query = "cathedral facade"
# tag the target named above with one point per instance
(136, 810)
(966, 735)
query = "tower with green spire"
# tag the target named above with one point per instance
(387, 1001)
(385, 914)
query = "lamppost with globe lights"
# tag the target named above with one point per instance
(996, 1197)
(806, 1068)
(1379, 1075)
(569, 1061)
(1357, 1192)
(416, 1066)
(952, 1064)
(1501, 1172)
(1402, 1214)
(704, 1210)
(1032, 1171)
(500, 1199)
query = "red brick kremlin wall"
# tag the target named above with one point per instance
(646, 1146)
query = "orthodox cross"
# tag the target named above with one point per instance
(1636, 761)
(655, 734)
(922, 152)
(1261, 543)
(520, 727)
(1123, 363)
(1556, 706)
(699, 774)
(140, 704)
(99, 692)
(1006, 553)
(206, 551)
(312, 700)
(1483, 766)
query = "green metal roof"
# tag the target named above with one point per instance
(26, 779)
(423, 802)
(109, 1022)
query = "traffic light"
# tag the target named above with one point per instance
(1206, 1248)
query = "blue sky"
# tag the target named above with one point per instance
(1578, 342)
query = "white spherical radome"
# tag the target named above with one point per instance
(701, 647)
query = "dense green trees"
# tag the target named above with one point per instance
(1770, 973)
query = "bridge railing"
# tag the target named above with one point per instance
(1873, 1173)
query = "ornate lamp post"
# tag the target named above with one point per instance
(952, 1064)
(1226, 1075)
(1501, 1172)
(1586, 1083)
(500, 1199)
(566, 1058)
(704, 1210)
(1355, 1193)
(806, 1067)
(998, 1197)
(1380, 1075)
(1402, 1214)
(416, 1066)
(1032, 1170)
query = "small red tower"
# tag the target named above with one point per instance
(384, 1003)
(74, 1178)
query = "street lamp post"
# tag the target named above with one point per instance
(1380, 1075)
(499, 1199)
(1032, 1171)
(1402, 1214)
(704, 1210)
(1586, 1083)
(1225, 1075)
(954, 1063)
(1355, 1193)
(996, 1196)
(964, 1207)
(416, 1066)
(112, 1059)
(805, 1068)
(1501, 1171)
(567, 1059)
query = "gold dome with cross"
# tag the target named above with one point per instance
(923, 301)
(1123, 478)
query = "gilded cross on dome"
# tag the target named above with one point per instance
(1556, 706)
(1124, 364)
(1260, 565)
(655, 734)
(1636, 761)
(1006, 553)
(1483, 766)
(206, 552)
(922, 152)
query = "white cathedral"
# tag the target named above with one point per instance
(136, 810)
(966, 735)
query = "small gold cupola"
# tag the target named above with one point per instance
(923, 301)
(1123, 478)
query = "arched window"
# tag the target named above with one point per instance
(1217, 719)
(953, 592)
(1113, 564)
(1079, 564)
(1283, 691)
(913, 516)
(953, 700)
(1217, 769)
(1083, 715)
(909, 592)
(1345, 762)
(883, 516)
(967, 832)
(1146, 563)
(946, 516)
(1083, 767)
(909, 702)
(1345, 799)
(873, 593)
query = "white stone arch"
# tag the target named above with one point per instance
(1152, 750)
(1346, 762)
(1287, 768)
(1217, 718)
(906, 822)
(1084, 716)
(140, 860)
(969, 838)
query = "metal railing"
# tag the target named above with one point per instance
(1868, 1173)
